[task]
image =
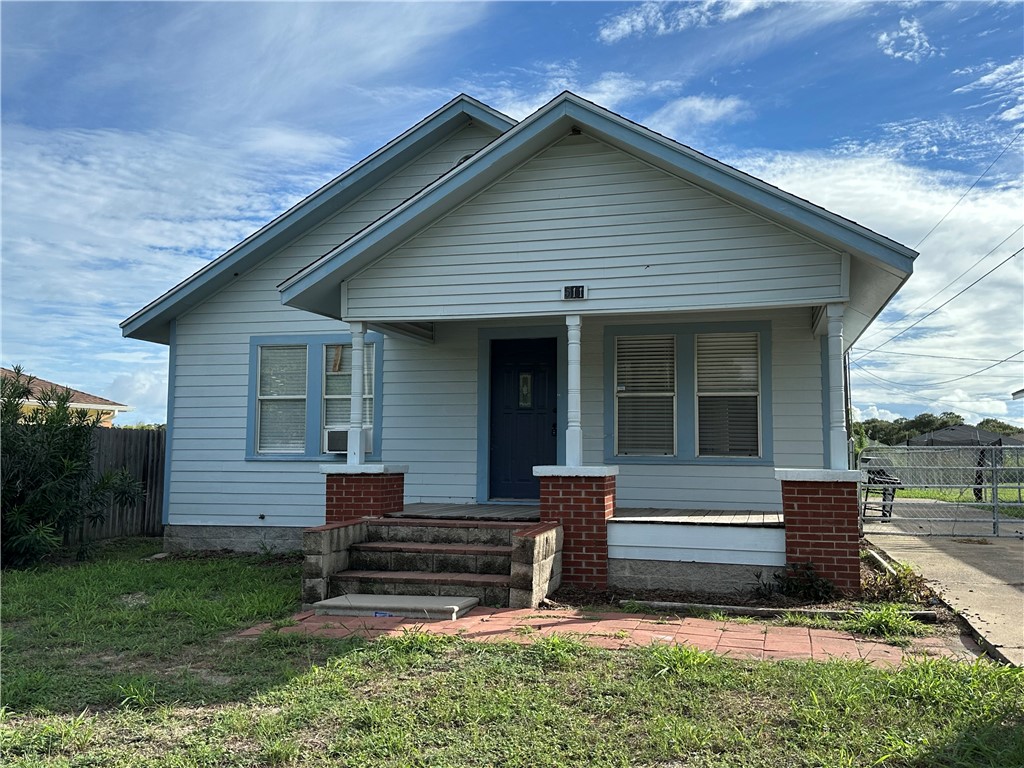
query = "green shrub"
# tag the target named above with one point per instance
(48, 486)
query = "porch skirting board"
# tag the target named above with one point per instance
(239, 538)
(709, 578)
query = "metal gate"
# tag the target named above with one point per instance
(963, 491)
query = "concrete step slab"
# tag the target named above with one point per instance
(441, 607)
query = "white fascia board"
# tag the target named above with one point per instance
(151, 323)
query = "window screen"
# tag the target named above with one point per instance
(645, 396)
(728, 392)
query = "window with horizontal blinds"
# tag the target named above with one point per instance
(728, 393)
(338, 385)
(645, 395)
(281, 394)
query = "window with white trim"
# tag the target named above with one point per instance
(281, 396)
(645, 396)
(301, 387)
(728, 394)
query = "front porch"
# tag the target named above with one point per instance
(531, 513)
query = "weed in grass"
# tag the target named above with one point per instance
(887, 621)
(524, 629)
(557, 650)
(743, 619)
(903, 584)
(138, 693)
(677, 660)
(632, 606)
(793, 619)
(285, 622)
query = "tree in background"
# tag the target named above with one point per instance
(900, 430)
(1000, 427)
(48, 487)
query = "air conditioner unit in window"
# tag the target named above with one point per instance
(336, 440)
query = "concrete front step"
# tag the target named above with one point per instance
(444, 607)
(490, 589)
(443, 531)
(435, 558)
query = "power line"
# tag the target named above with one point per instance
(950, 358)
(965, 194)
(932, 384)
(904, 316)
(913, 395)
(947, 301)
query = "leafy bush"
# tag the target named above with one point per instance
(800, 581)
(48, 486)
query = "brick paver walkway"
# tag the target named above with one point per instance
(624, 630)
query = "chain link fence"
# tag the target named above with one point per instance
(943, 491)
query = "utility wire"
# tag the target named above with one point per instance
(947, 301)
(932, 384)
(904, 316)
(965, 194)
(913, 395)
(942, 357)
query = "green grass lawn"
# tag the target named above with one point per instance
(131, 662)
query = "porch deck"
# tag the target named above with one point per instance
(531, 513)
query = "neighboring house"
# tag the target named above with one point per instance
(105, 409)
(573, 295)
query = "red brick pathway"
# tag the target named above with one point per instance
(623, 630)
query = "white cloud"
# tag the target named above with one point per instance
(99, 223)
(909, 42)
(679, 119)
(656, 18)
(1001, 87)
(873, 412)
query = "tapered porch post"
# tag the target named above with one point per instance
(838, 451)
(574, 430)
(355, 423)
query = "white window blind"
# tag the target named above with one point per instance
(338, 385)
(728, 392)
(645, 395)
(281, 391)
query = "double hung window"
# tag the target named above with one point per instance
(687, 395)
(302, 388)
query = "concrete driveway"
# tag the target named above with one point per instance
(982, 579)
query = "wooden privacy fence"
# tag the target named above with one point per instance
(141, 451)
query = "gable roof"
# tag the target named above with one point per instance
(314, 288)
(79, 399)
(152, 322)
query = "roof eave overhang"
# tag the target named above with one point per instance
(152, 323)
(315, 289)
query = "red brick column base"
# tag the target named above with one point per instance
(582, 506)
(822, 522)
(354, 496)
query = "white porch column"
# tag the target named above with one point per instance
(574, 430)
(838, 452)
(355, 422)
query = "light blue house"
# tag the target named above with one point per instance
(481, 297)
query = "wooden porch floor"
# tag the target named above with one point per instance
(531, 513)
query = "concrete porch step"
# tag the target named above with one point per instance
(444, 607)
(490, 589)
(444, 558)
(471, 532)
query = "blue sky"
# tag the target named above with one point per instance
(141, 140)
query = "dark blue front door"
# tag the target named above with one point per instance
(523, 415)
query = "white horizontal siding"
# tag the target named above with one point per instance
(581, 212)
(732, 544)
(210, 481)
